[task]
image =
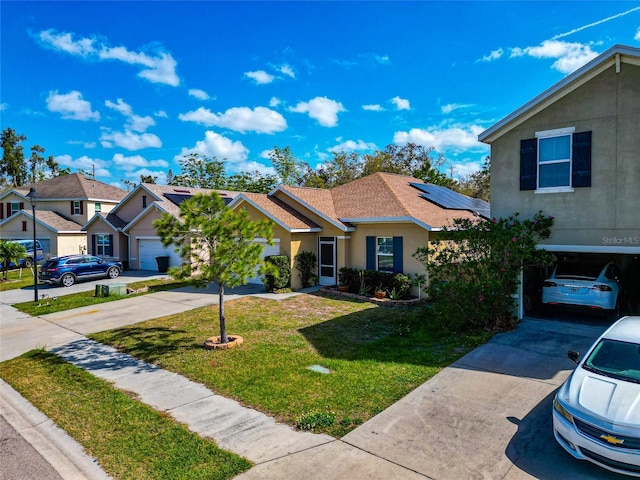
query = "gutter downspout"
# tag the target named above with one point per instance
(128, 247)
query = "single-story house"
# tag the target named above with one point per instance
(63, 205)
(375, 223)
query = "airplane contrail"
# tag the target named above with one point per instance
(595, 23)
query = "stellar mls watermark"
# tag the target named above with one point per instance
(631, 240)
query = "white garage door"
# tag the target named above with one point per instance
(152, 248)
(268, 250)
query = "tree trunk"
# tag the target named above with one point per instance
(223, 326)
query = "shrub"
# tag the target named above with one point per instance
(281, 278)
(307, 264)
(474, 274)
(349, 277)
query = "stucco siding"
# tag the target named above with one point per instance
(128, 211)
(609, 106)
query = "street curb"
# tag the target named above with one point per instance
(61, 451)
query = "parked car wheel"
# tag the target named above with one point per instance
(28, 262)
(113, 272)
(68, 279)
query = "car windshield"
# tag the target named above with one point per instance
(588, 271)
(613, 358)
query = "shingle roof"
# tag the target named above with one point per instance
(57, 222)
(280, 211)
(376, 197)
(73, 187)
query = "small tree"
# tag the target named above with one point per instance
(474, 273)
(10, 252)
(220, 243)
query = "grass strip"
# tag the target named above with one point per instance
(130, 440)
(16, 279)
(52, 304)
(376, 355)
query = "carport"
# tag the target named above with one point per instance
(625, 257)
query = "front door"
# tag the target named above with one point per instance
(327, 260)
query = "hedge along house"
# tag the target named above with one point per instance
(374, 223)
(63, 205)
(572, 152)
(127, 234)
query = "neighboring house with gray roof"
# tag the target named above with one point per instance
(64, 204)
(376, 222)
(127, 232)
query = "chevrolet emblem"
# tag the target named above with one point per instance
(612, 440)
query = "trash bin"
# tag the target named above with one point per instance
(163, 264)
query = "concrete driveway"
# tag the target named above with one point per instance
(20, 332)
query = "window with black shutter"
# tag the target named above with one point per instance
(556, 160)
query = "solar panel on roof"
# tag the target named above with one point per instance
(176, 198)
(447, 198)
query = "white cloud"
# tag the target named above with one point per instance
(82, 144)
(85, 163)
(71, 106)
(134, 122)
(322, 109)
(274, 102)
(156, 68)
(199, 94)
(66, 43)
(239, 119)
(456, 138)
(215, 145)
(287, 70)
(466, 169)
(122, 107)
(373, 108)
(450, 107)
(637, 36)
(3, 106)
(401, 103)
(137, 161)
(570, 56)
(161, 114)
(353, 145)
(494, 55)
(130, 140)
(159, 69)
(134, 175)
(260, 77)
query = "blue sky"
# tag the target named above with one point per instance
(131, 87)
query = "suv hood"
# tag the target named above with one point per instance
(617, 401)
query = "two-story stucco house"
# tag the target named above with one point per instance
(64, 204)
(574, 153)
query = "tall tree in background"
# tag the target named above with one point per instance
(252, 182)
(220, 243)
(201, 172)
(477, 184)
(16, 171)
(286, 165)
(14, 168)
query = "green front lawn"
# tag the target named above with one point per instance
(16, 280)
(52, 304)
(376, 355)
(130, 440)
